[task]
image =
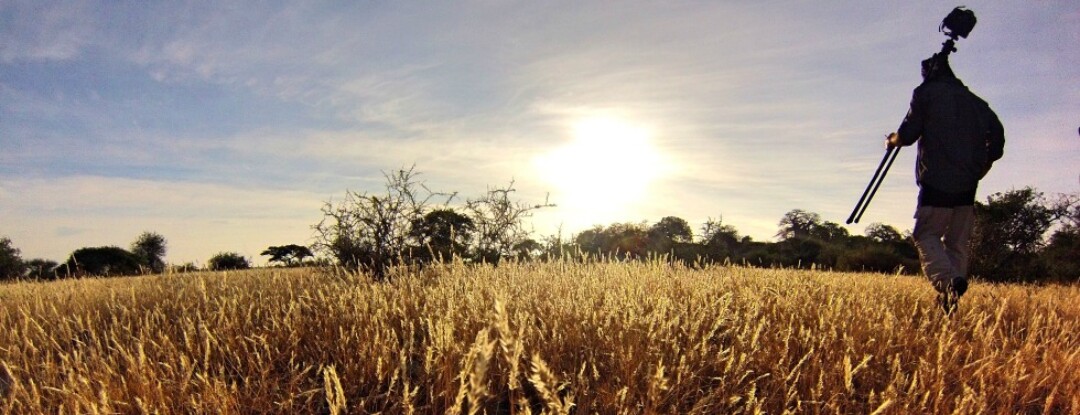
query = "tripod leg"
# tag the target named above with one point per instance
(895, 151)
(859, 206)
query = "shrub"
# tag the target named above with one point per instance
(227, 261)
(874, 258)
(102, 260)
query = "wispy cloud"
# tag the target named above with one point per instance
(38, 31)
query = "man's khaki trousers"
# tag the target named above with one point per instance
(942, 237)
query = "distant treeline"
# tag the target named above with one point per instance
(409, 225)
(1009, 243)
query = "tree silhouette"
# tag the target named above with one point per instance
(1008, 234)
(102, 260)
(622, 240)
(829, 232)
(880, 232)
(672, 228)
(41, 269)
(797, 224)
(227, 261)
(528, 249)
(442, 234)
(720, 241)
(11, 264)
(150, 247)
(287, 255)
(1061, 257)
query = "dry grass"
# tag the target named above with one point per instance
(599, 338)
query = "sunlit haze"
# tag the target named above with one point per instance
(225, 126)
(605, 170)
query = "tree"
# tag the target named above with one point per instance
(528, 249)
(102, 260)
(799, 252)
(829, 232)
(624, 240)
(369, 232)
(150, 247)
(1009, 233)
(880, 232)
(442, 234)
(11, 264)
(41, 269)
(1061, 257)
(288, 255)
(797, 224)
(499, 222)
(720, 240)
(665, 234)
(672, 228)
(227, 261)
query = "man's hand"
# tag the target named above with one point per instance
(892, 140)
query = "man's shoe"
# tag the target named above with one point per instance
(949, 298)
(959, 286)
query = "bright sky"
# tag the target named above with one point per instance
(225, 127)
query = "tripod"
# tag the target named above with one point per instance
(875, 182)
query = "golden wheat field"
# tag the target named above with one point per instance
(555, 337)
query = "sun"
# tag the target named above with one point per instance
(605, 171)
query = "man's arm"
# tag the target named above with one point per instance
(911, 129)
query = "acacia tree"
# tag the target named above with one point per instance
(287, 254)
(150, 247)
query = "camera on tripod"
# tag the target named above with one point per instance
(958, 23)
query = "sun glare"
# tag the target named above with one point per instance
(604, 171)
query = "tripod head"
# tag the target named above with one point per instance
(957, 24)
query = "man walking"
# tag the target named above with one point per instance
(959, 139)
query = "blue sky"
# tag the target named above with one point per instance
(225, 126)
